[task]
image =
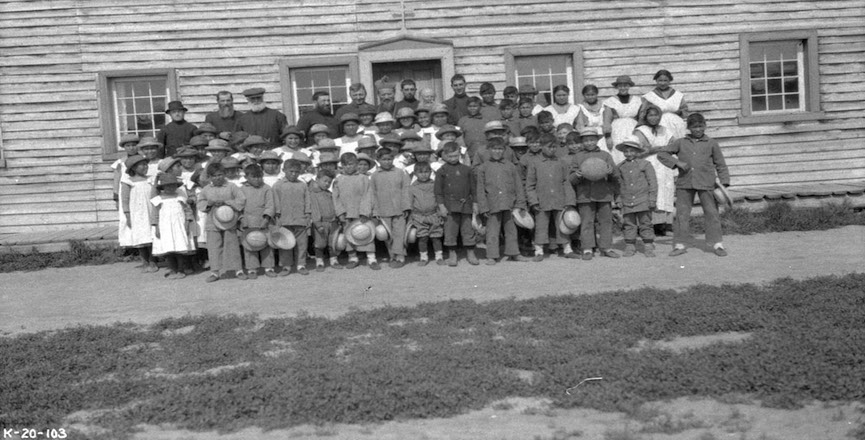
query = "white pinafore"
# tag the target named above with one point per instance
(140, 192)
(595, 120)
(669, 119)
(172, 221)
(624, 122)
(666, 177)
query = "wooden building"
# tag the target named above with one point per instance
(782, 82)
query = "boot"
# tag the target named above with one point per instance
(471, 257)
(650, 250)
(630, 250)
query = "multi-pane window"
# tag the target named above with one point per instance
(544, 72)
(777, 75)
(133, 102)
(332, 79)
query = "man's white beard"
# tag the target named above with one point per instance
(226, 112)
(258, 108)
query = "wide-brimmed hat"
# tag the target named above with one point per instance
(630, 143)
(390, 138)
(127, 138)
(253, 92)
(523, 219)
(149, 142)
(439, 108)
(447, 129)
(291, 129)
(254, 140)
(518, 141)
(224, 217)
(382, 231)
(186, 152)
(366, 109)
(590, 131)
(254, 240)
(349, 117)
(722, 197)
(423, 147)
(405, 112)
(325, 145)
(206, 128)
(366, 142)
(165, 179)
(269, 155)
(198, 141)
(410, 234)
(175, 105)
(623, 79)
(568, 221)
(300, 156)
(409, 135)
(494, 126)
(131, 161)
(218, 144)
(360, 233)
(526, 89)
(383, 117)
(165, 164)
(327, 158)
(281, 238)
(423, 108)
(366, 157)
(318, 128)
(230, 162)
(594, 169)
(337, 240)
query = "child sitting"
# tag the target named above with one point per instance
(455, 195)
(699, 158)
(172, 221)
(258, 213)
(424, 216)
(594, 198)
(549, 191)
(323, 217)
(293, 208)
(638, 192)
(499, 191)
(223, 247)
(391, 203)
(352, 199)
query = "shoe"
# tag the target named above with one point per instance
(481, 245)
(472, 258)
(649, 250)
(609, 253)
(630, 250)
(452, 259)
(352, 264)
(441, 262)
(270, 273)
(374, 265)
(538, 258)
(252, 275)
(213, 277)
(302, 270)
(319, 268)
(241, 275)
(423, 263)
(588, 255)
(519, 258)
(678, 251)
(572, 256)
(721, 252)
(285, 272)
(491, 262)
(188, 271)
(179, 276)
(396, 264)
(337, 266)
(151, 268)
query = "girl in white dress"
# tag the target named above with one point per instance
(670, 101)
(129, 143)
(620, 115)
(653, 136)
(136, 190)
(562, 110)
(591, 115)
(173, 221)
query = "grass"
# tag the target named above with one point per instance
(441, 359)
(79, 254)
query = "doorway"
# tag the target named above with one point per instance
(425, 73)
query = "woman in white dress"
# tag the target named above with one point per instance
(670, 101)
(653, 136)
(591, 115)
(620, 115)
(562, 110)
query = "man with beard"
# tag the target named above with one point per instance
(427, 97)
(458, 105)
(409, 88)
(225, 118)
(386, 96)
(261, 120)
(318, 115)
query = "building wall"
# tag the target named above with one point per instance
(51, 52)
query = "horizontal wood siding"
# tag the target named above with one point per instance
(51, 52)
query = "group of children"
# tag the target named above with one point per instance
(412, 178)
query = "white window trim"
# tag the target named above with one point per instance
(286, 65)
(107, 116)
(811, 78)
(575, 51)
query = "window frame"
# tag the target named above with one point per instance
(110, 149)
(811, 93)
(286, 65)
(575, 51)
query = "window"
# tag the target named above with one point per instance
(133, 102)
(545, 67)
(779, 77)
(301, 77)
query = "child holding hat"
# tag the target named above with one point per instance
(258, 213)
(548, 192)
(223, 247)
(391, 203)
(638, 192)
(595, 197)
(323, 217)
(292, 211)
(172, 221)
(352, 200)
(455, 192)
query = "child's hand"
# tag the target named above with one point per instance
(156, 232)
(443, 211)
(535, 209)
(577, 173)
(128, 221)
(342, 218)
(406, 213)
(364, 219)
(609, 169)
(683, 166)
(217, 204)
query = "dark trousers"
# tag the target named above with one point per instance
(496, 222)
(684, 203)
(603, 211)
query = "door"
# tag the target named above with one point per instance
(425, 73)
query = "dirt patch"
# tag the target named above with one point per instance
(683, 343)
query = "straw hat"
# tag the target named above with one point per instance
(198, 141)
(291, 129)
(186, 152)
(326, 144)
(167, 179)
(254, 140)
(565, 227)
(149, 142)
(218, 144)
(269, 155)
(523, 219)
(366, 157)
(410, 135)
(318, 128)
(131, 161)
(623, 79)
(224, 217)
(366, 142)
(382, 231)
(594, 169)
(349, 117)
(206, 128)
(337, 239)
(254, 240)
(410, 234)
(518, 141)
(281, 238)
(391, 138)
(722, 197)
(165, 164)
(128, 138)
(447, 129)
(571, 217)
(327, 158)
(439, 108)
(405, 112)
(630, 143)
(359, 233)
(383, 117)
